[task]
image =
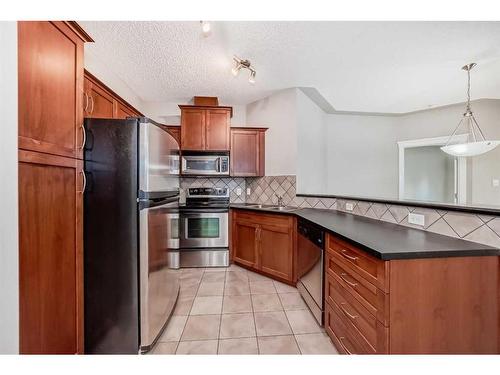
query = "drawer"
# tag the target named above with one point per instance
(374, 300)
(371, 268)
(357, 316)
(340, 335)
(263, 218)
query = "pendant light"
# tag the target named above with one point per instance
(476, 143)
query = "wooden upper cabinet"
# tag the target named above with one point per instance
(174, 130)
(50, 254)
(99, 101)
(205, 128)
(193, 129)
(248, 152)
(50, 87)
(122, 111)
(218, 122)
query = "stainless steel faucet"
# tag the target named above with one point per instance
(280, 200)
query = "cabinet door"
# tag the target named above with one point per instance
(247, 153)
(193, 129)
(218, 122)
(50, 88)
(122, 111)
(276, 250)
(244, 242)
(102, 103)
(50, 254)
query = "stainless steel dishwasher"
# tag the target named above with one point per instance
(310, 267)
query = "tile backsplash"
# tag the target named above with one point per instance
(474, 227)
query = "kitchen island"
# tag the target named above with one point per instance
(394, 289)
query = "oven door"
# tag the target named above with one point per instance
(202, 165)
(204, 228)
(159, 280)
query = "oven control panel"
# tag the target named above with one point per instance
(206, 192)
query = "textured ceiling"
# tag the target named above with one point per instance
(388, 67)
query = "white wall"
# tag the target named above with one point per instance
(278, 112)
(9, 285)
(429, 175)
(361, 152)
(311, 149)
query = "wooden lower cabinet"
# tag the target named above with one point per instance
(50, 254)
(265, 243)
(410, 306)
(276, 244)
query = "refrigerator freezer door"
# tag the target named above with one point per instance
(158, 160)
(159, 281)
(111, 238)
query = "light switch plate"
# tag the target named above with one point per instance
(238, 191)
(248, 191)
(495, 182)
(416, 219)
(349, 206)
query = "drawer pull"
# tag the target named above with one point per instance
(344, 310)
(345, 254)
(343, 277)
(342, 338)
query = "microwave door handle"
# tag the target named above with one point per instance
(218, 165)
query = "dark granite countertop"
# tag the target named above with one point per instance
(385, 240)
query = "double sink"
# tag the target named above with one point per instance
(271, 207)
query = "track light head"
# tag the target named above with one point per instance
(243, 64)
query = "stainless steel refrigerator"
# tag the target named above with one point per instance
(130, 230)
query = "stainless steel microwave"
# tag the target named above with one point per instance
(205, 164)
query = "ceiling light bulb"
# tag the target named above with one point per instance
(205, 28)
(251, 79)
(236, 70)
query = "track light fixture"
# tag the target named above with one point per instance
(206, 28)
(243, 64)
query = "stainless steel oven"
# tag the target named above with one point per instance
(205, 164)
(204, 228)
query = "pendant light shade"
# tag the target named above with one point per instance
(476, 143)
(470, 148)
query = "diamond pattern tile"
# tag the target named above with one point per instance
(479, 228)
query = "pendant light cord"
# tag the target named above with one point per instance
(468, 90)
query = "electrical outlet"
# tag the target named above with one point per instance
(238, 191)
(416, 219)
(248, 191)
(495, 182)
(349, 206)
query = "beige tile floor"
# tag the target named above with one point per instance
(235, 311)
